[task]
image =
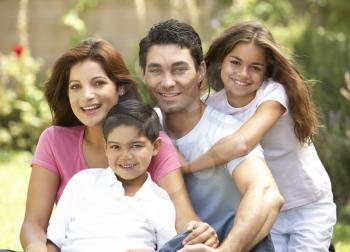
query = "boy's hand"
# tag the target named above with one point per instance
(201, 233)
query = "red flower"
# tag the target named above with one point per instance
(18, 50)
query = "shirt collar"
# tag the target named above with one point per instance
(108, 178)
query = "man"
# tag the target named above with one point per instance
(240, 200)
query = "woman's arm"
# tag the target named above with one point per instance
(186, 218)
(242, 141)
(42, 189)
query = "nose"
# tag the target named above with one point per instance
(125, 154)
(243, 71)
(168, 80)
(88, 93)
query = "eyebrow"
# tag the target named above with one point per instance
(94, 78)
(254, 63)
(131, 142)
(177, 63)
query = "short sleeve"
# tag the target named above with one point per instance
(166, 230)
(274, 91)
(165, 161)
(44, 155)
(256, 152)
(60, 219)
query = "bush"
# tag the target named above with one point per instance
(24, 112)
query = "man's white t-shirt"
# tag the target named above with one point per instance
(296, 167)
(213, 194)
(93, 214)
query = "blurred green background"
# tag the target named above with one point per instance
(35, 32)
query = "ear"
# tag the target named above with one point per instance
(142, 74)
(121, 91)
(105, 146)
(201, 72)
(156, 146)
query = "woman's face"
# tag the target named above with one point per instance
(91, 93)
(242, 72)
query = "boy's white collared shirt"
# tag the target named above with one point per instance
(94, 215)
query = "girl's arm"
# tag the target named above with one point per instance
(240, 142)
(42, 189)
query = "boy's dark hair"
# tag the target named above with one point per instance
(133, 113)
(172, 32)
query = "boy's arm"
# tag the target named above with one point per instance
(258, 208)
(242, 141)
(60, 219)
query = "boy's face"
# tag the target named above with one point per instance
(172, 78)
(129, 153)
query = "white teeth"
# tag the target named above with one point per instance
(240, 83)
(169, 94)
(91, 107)
(128, 166)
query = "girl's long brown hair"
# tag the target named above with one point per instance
(100, 51)
(281, 68)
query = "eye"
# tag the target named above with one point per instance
(154, 70)
(137, 145)
(114, 147)
(257, 68)
(235, 62)
(180, 70)
(100, 83)
(74, 86)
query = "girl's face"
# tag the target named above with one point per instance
(242, 72)
(91, 93)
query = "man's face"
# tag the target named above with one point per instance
(172, 78)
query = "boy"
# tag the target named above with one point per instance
(117, 208)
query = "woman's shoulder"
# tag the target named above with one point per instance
(58, 136)
(62, 132)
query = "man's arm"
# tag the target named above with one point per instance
(186, 217)
(258, 208)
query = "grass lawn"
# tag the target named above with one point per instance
(14, 177)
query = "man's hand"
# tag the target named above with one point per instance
(201, 233)
(197, 248)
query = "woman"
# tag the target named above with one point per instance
(85, 83)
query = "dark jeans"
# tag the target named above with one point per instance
(266, 245)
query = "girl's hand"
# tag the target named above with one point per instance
(201, 233)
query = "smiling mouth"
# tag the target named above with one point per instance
(91, 107)
(241, 83)
(127, 166)
(169, 95)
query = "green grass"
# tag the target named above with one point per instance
(14, 177)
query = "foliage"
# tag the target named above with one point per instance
(72, 19)
(24, 112)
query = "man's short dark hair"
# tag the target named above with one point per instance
(133, 113)
(172, 32)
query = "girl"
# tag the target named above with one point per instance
(85, 83)
(257, 83)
